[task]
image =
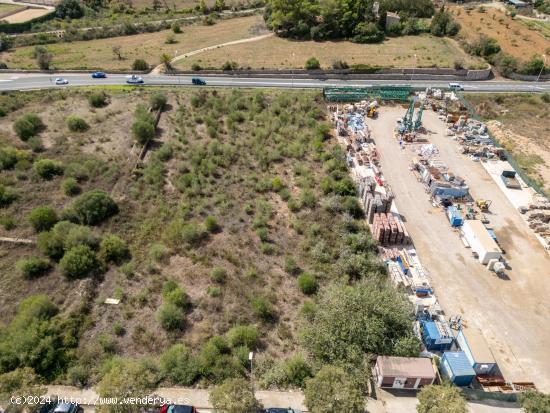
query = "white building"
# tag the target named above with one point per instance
(481, 242)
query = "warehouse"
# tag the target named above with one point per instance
(472, 342)
(455, 366)
(480, 241)
(403, 372)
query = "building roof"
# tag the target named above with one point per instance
(478, 346)
(482, 235)
(459, 363)
(431, 329)
(405, 367)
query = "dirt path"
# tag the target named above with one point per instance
(157, 70)
(16, 240)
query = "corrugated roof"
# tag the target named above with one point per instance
(478, 346)
(482, 235)
(459, 363)
(405, 367)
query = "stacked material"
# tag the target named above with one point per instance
(387, 230)
(376, 203)
(538, 217)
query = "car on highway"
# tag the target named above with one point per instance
(134, 80)
(177, 408)
(455, 86)
(61, 81)
(99, 75)
(281, 410)
(198, 81)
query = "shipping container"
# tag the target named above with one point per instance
(455, 367)
(474, 345)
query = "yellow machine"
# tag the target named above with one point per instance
(372, 112)
(483, 204)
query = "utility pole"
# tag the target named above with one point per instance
(251, 357)
(542, 68)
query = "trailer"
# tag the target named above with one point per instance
(510, 180)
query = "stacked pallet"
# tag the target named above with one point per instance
(376, 203)
(387, 230)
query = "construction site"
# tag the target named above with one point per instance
(458, 229)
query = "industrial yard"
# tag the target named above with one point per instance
(507, 309)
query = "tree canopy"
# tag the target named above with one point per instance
(444, 398)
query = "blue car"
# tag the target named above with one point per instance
(99, 75)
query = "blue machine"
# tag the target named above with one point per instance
(434, 338)
(456, 367)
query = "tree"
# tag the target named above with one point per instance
(234, 396)
(71, 9)
(42, 218)
(7, 196)
(143, 131)
(6, 42)
(125, 378)
(92, 207)
(117, 51)
(353, 320)
(179, 365)
(97, 99)
(220, 5)
(27, 126)
(113, 249)
(332, 390)
(47, 168)
(408, 346)
(533, 401)
(312, 64)
(70, 187)
(43, 57)
(247, 336)
(79, 262)
(158, 101)
(444, 398)
(20, 382)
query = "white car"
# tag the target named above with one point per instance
(134, 80)
(456, 86)
(61, 81)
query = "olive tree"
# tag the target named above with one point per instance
(444, 398)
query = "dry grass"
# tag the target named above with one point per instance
(512, 35)
(8, 9)
(26, 15)
(279, 53)
(149, 46)
(183, 4)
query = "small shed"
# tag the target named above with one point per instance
(404, 372)
(472, 342)
(456, 367)
(436, 336)
(480, 240)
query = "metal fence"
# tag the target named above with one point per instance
(520, 171)
(354, 94)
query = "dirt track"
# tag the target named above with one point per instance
(513, 313)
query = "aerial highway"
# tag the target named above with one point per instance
(26, 81)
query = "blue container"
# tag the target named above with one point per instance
(456, 367)
(432, 337)
(455, 217)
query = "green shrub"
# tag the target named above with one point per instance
(27, 126)
(263, 309)
(312, 64)
(7, 222)
(43, 218)
(7, 196)
(143, 131)
(33, 267)
(92, 207)
(113, 249)
(308, 199)
(307, 283)
(176, 28)
(192, 234)
(47, 169)
(263, 234)
(171, 317)
(291, 267)
(218, 274)
(76, 124)
(277, 184)
(51, 244)
(234, 396)
(140, 64)
(158, 101)
(97, 99)
(118, 329)
(196, 67)
(211, 224)
(70, 187)
(214, 291)
(179, 365)
(230, 66)
(158, 252)
(247, 336)
(74, 235)
(78, 262)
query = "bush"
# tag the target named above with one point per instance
(93, 207)
(43, 218)
(47, 169)
(143, 131)
(230, 66)
(27, 126)
(234, 396)
(97, 99)
(176, 28)
(307, 283)
(291, 267)
(171, 317)
(70, 187)
(71, 9)
(113, 249)
(218, 274)
(78, 262)
(339, 65)
(76, 124)
(211, 224)
(179, 365)
(140, 64)
(196, 67)
(312, 64)
(158, 252)
(33, 267)
(247, 336)
(192, 234)
(263, 309)
(74, 235)
(7, 196)
(158, 101)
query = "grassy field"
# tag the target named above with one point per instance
(26, 15)
(99, 53)
(543, 27)
(513, 36)
(228, 204)
(525, 127)
(278, 53)
(8, 8)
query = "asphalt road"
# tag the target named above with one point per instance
(19, 81)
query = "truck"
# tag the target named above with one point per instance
(510, 180)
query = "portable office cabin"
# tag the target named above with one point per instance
(455, 217)
(472, 342)
(435, 337)
(403, 372)
(456, 367)
(480, 241)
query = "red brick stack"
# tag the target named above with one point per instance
(387, 230)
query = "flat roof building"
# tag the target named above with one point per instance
(474, 345)
(404, 372)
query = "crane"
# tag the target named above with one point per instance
(418, 121)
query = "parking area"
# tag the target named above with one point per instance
(513, 310)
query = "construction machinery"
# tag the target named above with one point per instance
(483, 204)
(418, 121)
(372, 112)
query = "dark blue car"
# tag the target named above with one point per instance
(99, 75)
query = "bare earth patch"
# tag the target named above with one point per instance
(26, 15)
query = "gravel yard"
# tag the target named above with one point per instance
(512, 311)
